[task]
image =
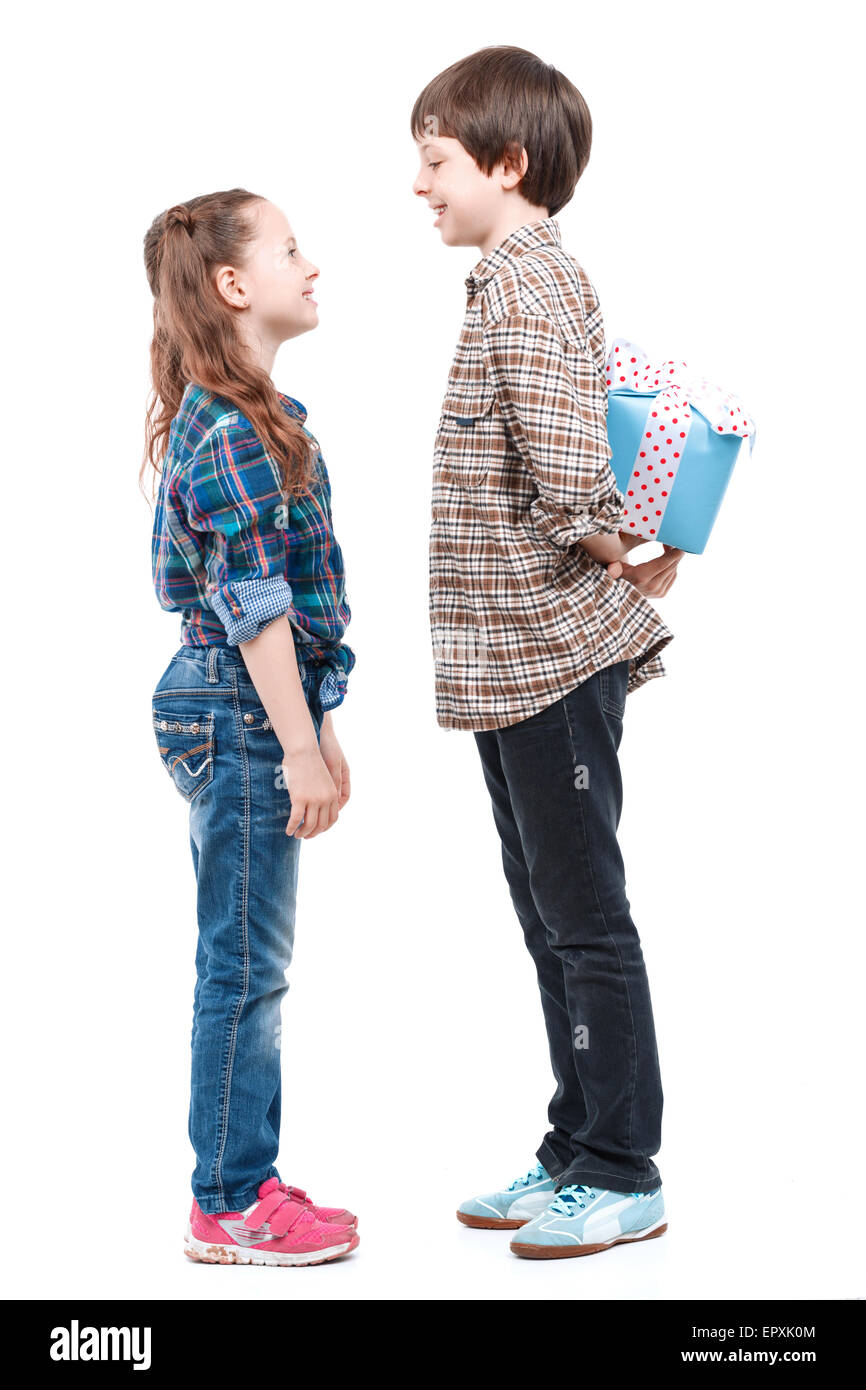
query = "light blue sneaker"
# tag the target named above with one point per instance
(511, 1206)
(583, 1220)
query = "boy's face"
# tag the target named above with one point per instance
(450, 179)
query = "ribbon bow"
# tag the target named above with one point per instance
(629, 369)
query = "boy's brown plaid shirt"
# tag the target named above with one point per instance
(520, 613)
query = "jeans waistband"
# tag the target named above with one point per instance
(214, 652)
(320, 677)
(217, 658)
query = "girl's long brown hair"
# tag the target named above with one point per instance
(194, 333)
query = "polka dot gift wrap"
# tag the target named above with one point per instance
(674, 439)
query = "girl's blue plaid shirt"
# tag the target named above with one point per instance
(232, 551)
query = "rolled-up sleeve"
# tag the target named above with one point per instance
(553, 399)
(232, 490)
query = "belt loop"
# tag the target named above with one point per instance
(212, 666)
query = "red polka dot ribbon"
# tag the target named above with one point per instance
(675, 393)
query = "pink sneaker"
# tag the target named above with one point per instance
(276, 1229)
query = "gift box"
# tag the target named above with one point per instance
(674, 439)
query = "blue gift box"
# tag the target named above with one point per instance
(671, 459)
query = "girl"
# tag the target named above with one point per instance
(243, 548)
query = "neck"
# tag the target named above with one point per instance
(508, 222)
(262, 350)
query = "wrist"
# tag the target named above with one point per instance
(603, 546)
(630, 541)
(293, 751)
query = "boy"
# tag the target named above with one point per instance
(540, 630)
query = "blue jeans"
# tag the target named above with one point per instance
(555, 783)
(216, 742)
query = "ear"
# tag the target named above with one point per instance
(229, 287)
(515, 162)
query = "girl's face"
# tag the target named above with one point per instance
(273, 288)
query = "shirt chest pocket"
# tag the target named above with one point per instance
(465, 441)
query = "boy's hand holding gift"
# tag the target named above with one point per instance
(653, 578)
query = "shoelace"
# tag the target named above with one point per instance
(570, 1197)
(566, 1200)
(532, 1176)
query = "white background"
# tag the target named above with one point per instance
(716, 220)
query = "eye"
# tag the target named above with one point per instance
(293, 251)
(436, 165)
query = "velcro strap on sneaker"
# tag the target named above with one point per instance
(290, 1215)
(297, 1194)
(265, 1208)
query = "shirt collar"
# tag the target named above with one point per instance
(294, 407)
(543, 232)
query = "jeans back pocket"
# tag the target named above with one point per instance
(613, 685)
(186, 747)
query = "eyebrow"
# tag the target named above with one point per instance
(429, 146)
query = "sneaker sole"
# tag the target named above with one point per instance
(490, 1223)
(202, 1252)
(564, 1252)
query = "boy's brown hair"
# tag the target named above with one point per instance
(502, 99)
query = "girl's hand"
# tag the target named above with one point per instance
(315, 799)
(654, 577)
(335, 760)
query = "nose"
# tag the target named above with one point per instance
(420, 186)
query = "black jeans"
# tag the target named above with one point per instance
(556, 788)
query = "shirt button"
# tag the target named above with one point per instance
(196, 728)
(164, 725)
(248, 719)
